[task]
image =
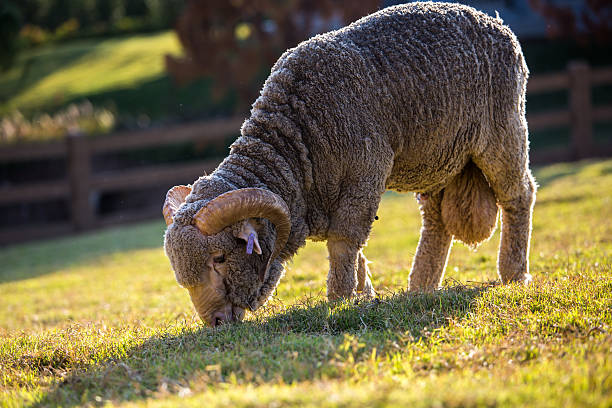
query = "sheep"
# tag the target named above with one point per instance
(423, 97)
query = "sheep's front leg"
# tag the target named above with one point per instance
(433, 249)
(349, 229)
(342, 277)
(348, 271)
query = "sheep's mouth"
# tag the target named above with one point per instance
(229, 314)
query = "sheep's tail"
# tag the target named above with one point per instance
(469, 207)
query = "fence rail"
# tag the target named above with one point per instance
(82, 183)
(579, 116)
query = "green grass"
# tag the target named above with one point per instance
(98, 319)
(75, 70)
(126, 73)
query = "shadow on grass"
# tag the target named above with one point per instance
(158, 98)
(30, 260)
(35, 66)
(570, 199)
(312, 340)
(545, 175)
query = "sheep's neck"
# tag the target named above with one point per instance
(258, 162)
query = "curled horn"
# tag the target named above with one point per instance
(234, 206)
(174, 198)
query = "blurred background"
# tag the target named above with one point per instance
(105, 104)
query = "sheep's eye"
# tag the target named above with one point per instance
(219, 259)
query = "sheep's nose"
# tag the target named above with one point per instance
(228, 314)
(218, 319)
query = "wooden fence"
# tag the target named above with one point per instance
(82, 184)
(579, 116)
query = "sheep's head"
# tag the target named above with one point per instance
(225, 252)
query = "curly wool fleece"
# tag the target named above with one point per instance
(403, 99)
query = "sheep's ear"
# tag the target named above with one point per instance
(174, 198)
(249, 235)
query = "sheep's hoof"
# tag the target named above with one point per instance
(524, 279)
(334, 297)
(368, 291)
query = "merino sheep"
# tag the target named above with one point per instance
(422, 97)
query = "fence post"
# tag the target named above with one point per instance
(79, 170)
(580, 106)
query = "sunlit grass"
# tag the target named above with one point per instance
(75, 70)
(98, 318)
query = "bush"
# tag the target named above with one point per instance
(10, 21)
(47, 20)
(83, 117)
(237, 42)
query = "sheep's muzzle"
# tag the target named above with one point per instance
(212, 307)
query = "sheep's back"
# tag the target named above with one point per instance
(426, 79)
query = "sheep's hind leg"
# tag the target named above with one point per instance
(513, 258)
(506, 169)
(516, 199)
(433, 249)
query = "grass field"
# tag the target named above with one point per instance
(126, 74)
(58, 73)
(98, 319)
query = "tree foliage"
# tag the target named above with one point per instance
(55, 18)
(590, 21)
(236, 42)
(10, 22)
